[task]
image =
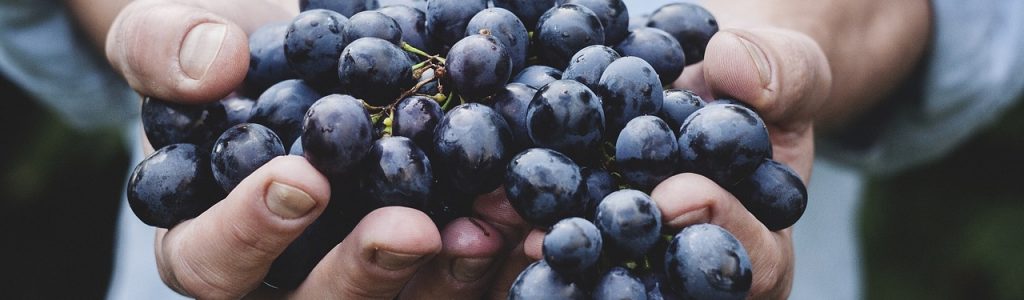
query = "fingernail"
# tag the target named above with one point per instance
(288, 202)
(699, 216)
(395, 261)
(470, 269)
(200, 47)
(757, 56)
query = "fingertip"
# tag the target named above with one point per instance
(466, 237)
(736, 66)
(687, 199)
(399, 230)
(533, 244)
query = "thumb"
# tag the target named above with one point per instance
(783, 74)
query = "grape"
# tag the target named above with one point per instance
(679, 105)
(420, 5)
(630, 223)
(372, 24)
(599, 183)
(774, 194)
(705, 261)
(659, 49)
(296, 148)
(416, 117)
(646, 152)
(629, 88)
(539, 282)
(537, 76)
(617, 283)
(478, 66)
(344, 7)
(172, 185)
(688, 23)
(240, 151)
(375, 70)
(313, 43)
(505, 26)
(282, 107)
(565, 30)
(512, 102)
(398, 174)
(613, 14)
(447, 203)
(447, 19)
(413, 23)
(723, 142)
(472, 146)
(238, 109)
(267, 62)
(167, 123)
(544, 186)
(431, 87)
(527, 11)
(566, 116)
(572, 247)
(588, 64)
(336, 134)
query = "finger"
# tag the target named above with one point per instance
(511, 266)
(495, 209)
(377, 259)
(692, 80)
(226, 251)
(688, 199)
(470, 250)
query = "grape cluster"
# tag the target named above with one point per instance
(429, 104)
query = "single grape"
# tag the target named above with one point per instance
(240, 151)
(629, 88)
(613, 14)
(267, 62)
(296, 148)
(167, 123)
(527, 11)
(372, 24)
(472, 146)
(774, 194)
(413, 23)
(344, 7)
(618, 283)
(313, 43)
(238, 109)
(659, 49)
(420, 5)
(688, 23)
(679, 105)
(336, 134)
(567, 117)
(705, 261)
(599, 183)
(539, 282)
(630, 223)
(398, 173)
(723, 142)
(282, 107)
(565, 30)
(478, 66)
(172, 185)
(447, 19)
(537, 76)
(544, 186)
(588, 64)
(375, 70)
(505, 26)
(415, 117)
(512, 103)
(646, 152)
(572, 247)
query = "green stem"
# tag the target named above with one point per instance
(420, 65)
(414, 50)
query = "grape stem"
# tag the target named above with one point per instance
(414, 50)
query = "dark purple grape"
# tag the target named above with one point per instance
(447, 203)
(398, 173)
(638, 21)
(431, 87)
(336, 134)
(447, 19)
(544, 186)
(588, 64)
(774, 194)
(344, 7)
(172, 185)
(656, 284)
(629, 88)
(688, 23)
(567, 117)
(540, 282)
(613, 14)
(646, 152)
(659, 49)
(312, 46)
(167, 123)
(296, 148)
(372, 24)
(527, 11)
(267, 62)
(723, 142)
(282, 107)
(705, 261)
(600, 183)
(630, 223)
(375, 71)
(413, 23)
(565, 30)
(478, 66)
(512, 103)
(505, 26)
(420, 5)
(572, 247)
(238, 109)
(618, 283)
(537, 76)
(679, 105)
(472, 145)
(240, 151)
(416, 117)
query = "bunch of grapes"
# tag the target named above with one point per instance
(430, 104)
